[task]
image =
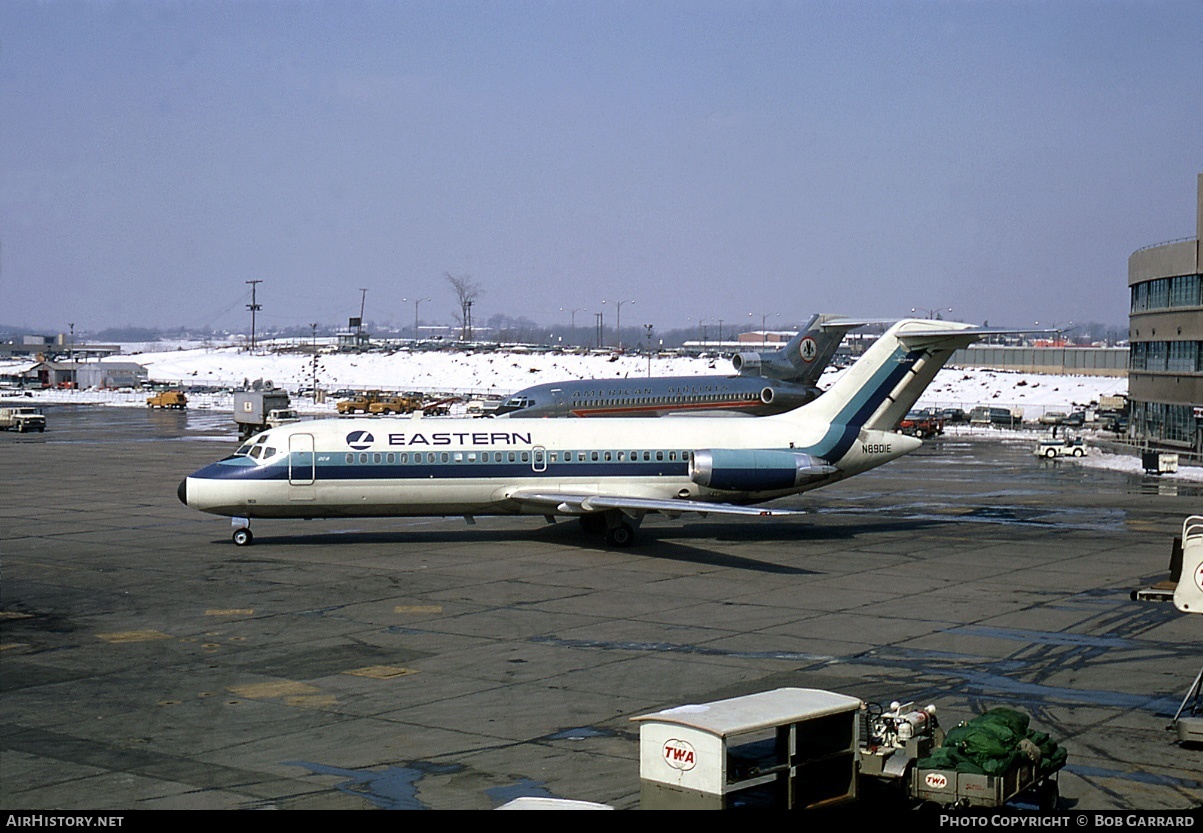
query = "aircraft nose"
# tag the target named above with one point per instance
(182, 491)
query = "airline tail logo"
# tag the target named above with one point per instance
(808, 349)
(360, 440)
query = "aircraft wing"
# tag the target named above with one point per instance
(570, 504)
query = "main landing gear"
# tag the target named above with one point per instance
(617, 527)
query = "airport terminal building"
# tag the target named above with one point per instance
(1165, 330)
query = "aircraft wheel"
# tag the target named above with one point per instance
(622, 535)
(243, 537)
(1077, 452)
(593, 524)
(1051, 453)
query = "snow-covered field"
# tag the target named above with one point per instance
(501, 373)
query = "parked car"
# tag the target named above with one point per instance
(1076, 418)
(983, 415)
(953, 415)
(923, 424)
(1052, 417)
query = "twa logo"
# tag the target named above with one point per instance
(936, 780)
(678, 754)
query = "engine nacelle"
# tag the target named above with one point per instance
(755, 470)
(747, 364)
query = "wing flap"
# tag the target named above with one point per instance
(570, 504)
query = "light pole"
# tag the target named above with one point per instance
(618, 328)
(417, 303)
(1060, 328)
(764, 335)
(572, 331)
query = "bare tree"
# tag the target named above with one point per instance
(466, 293)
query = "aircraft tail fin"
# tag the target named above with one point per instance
(877, 391)
(804, 357)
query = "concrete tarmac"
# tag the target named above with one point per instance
(147, 662)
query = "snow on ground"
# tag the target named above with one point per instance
(501, 373)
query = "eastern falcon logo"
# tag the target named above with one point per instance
(360, 440)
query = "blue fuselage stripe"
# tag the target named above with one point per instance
(442, 471)
(852, 417)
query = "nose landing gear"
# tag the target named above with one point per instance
(242, 532)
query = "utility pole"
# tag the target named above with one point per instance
(314, 326)
(648, 327)
(600, 324)
(363, 299)
(254, 308)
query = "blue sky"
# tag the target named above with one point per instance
(705, 159)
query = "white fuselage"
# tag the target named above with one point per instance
(438, 466)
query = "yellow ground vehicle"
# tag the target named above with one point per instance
(395, 405)
(174, 399)
(360, 403)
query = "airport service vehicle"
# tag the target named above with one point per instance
(395, 405)
(22, 420)
(1061, 447)
(608, 473)
(254, 409)
(799, 748)
(360, 403)
(1188, 598)
(482, 407)
(765, 383)
(923, 424)
(175, 400)
(281, 416)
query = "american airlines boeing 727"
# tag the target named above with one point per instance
(609, 473)
(767, 382)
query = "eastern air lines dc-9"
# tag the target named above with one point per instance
(609, 473)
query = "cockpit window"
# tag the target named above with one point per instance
(257, 451)
(519, 402)
(243, 450)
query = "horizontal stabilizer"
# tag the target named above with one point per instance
(977, 333)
